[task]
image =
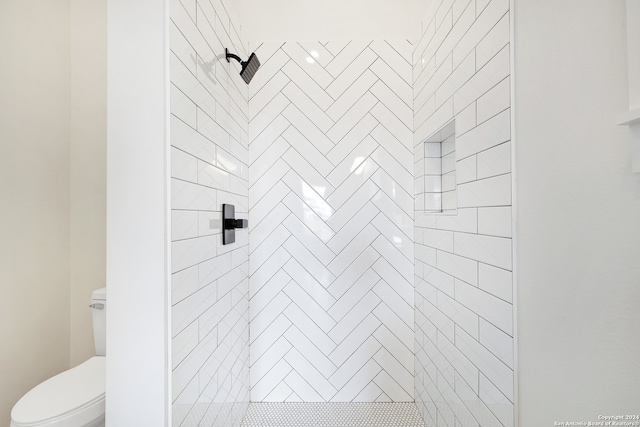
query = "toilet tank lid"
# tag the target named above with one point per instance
(68, 391)
(99, 294)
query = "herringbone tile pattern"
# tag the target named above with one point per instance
(331, 215)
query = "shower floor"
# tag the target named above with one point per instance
(263, 414)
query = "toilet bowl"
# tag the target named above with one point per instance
(73, 398)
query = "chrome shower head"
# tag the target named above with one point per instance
(249, 67)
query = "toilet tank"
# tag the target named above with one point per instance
(99, 313)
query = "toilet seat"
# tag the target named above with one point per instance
(75, 397)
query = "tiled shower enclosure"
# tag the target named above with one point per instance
(463, 282)
(350, 284)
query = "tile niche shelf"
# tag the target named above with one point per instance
(440, 194)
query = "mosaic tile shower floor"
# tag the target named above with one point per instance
(267, 414)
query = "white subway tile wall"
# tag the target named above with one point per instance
(464, 313)
(209, 167)
(331, 238)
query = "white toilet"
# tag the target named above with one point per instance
(73, 398)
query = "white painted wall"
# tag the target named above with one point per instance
(53, 183)
(34, 184)
(578, 227)
(632, 117)
(633, 52)
(137, 210)
(332, 19)
(88, 162)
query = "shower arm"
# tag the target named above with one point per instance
(231, 55)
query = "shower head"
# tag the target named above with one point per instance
(249, 67)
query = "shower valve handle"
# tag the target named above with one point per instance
(231, 223)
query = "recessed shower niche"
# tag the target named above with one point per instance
(440, 171)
